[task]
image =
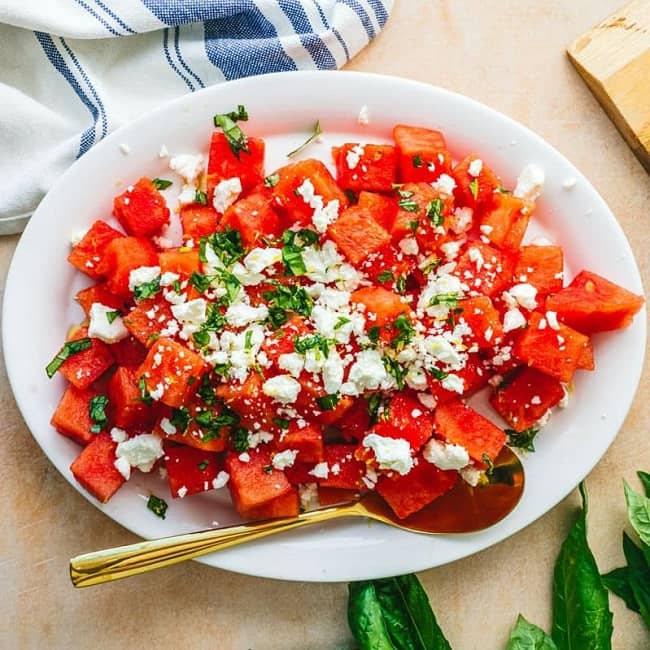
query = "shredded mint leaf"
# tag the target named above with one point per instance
(69, 348)
(408, 205)
(313, 342)
(395, 369)
(200, 197)
(235, 137)
(161, 183)
(292, 259)
(328, 402)
(385, 276)
(157, 505)
(112, 315)
(272, 180)
(417, 161)
(226, 244)
(97, 412)
(316, 133)
(283, 423)
(522, 439)
(434, 212)
(180, 418)
(449, 300)
(147, 290)
(239, 439)
(145, 396)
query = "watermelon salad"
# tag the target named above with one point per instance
(320, 325)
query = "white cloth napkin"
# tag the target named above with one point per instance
(71, 71)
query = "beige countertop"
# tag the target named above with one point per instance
(510, 55)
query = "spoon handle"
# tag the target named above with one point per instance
(124, 561)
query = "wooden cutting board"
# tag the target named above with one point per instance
(614, 60)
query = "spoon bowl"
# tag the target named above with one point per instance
(464, 509)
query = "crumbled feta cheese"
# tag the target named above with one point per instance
(454, 383)
(142, 275)
(284, 459)
(530, 183)
(108, 329)
(427, 400)
(192, 312)
(188, 166)
(141, 451)
(123, 467)
(220, 480)
(354, 155)
(182, 492)
(445, 455)
(321, 470)
(445, 184)
(164, 152)
(569, 183)
(118, 435)
(226, 193)
(525, 295)
(367, 372)
(409, 246)
(282, 388)
(168, 278)
(551, 319)
(471, 475)
(324, 215)
(261, 258)
(292, 362)
(125, 149)
(240, 314)
(167, 426)
(308, 493)
(363, 118)
(513, 319)
(391, 453)
(462, 220)
(244, 457)
(475, 167)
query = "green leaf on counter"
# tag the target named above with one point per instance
(526, 636)
(644, 477)
(618, 582)
(393, 614)
(581, 614)
(638, 511)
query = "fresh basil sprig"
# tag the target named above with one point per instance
(69, 348)
(526, 636)
(581, 614)
(315, 134)
(393, 614)
(235, 137)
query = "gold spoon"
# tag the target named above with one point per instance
(464, 509)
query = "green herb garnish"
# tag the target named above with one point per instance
(408, 205)
(272, 180)
(97, 412)
(316, 133)
(180, 418)
(328, 402)
(313, 342)
(385, 276)
(203, 464)
(147, 289)
(473, 188)
(235, 137)
(417, 161)
(395, 369)
(200, 197)
(449, 300)
(239, 439)
(434, 212)
(522, 439)
(405, 331)
(157, 505)
(281, 422)
(112, 315)
(161, 183)
(69, 349)
(145, 395)
(226, 244)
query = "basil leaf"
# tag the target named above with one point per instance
(292, 259)
(581, 614)
(473, 188)
(618, 582)
(317, 132)
(112, 315)
(434, 212)
(157, 505)
(644, 477)
(522, 439)
(147, 290)
(272, 180)
(408, 617)
(200, 197)
(328, 402)
(526, 636)
(638, 511)
(161, 183)
(69, 348)
(226, 244)
(235, 137)
(365, 617)
(97, 412)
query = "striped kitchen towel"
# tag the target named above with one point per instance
(71, 71)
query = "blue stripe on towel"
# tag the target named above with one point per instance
(115, 17)
(99, 18)
(245, 45)
(172, 65)
(311, 42)
(180, 12)
(181, 60)
(363, 16)
(55, 58)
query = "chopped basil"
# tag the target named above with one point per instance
(403, 194)
(328, 402)
(434, 212)
(200, 281)
(281, 422)
(248, 340)
(267, 469)
(235, 137)
(385, 276)
(287, 298)
(147, 290)
(432, 264)
(272, 180)
(373, 333)
(69, 348)
(417, 161)
(438, 374)
(313, 342)
(449, 300)
(414, 225)
(393, 368)
(400, 284)
(201, 338)
(473, 188)
(522, 439)
(490, 464)
(203, 464)
(145, 396)
(302, 237)
(161, 183)
(157, 505)
(97, 412)
(206, 391)
(378, 407)
(342, 320)
(408, 205)
(239, 439)
(317, 132)
(226, 244)
(405, 331)
(211, 422)
(292, 259)
(180, 418)
(152, 338)
(112, 315)
(231, 284)
(200, 197)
